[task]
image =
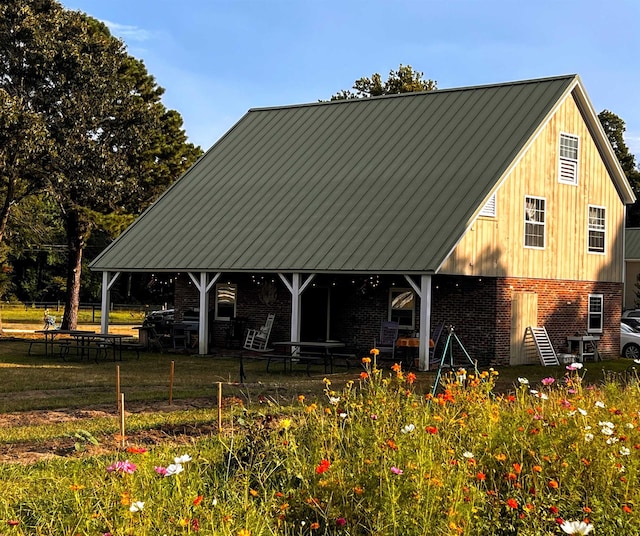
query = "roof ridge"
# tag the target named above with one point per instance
(413, 93)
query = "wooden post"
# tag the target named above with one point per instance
(118, 387)
(122, 430)
(171, 382)
(219, 407)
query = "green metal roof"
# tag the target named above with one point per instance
(632, 244)
(371, 185)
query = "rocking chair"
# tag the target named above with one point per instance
(256, 339)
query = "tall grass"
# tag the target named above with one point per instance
(374, 457)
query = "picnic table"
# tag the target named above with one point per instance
(49, 340)
(306, 351)
(86, 342)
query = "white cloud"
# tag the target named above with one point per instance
(126, 31)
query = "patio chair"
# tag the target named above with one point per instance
(257, 339)
(386, 343)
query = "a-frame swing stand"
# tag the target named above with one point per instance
(447, 352)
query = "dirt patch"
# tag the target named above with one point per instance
(70, 447)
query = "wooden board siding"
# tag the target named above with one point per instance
(495, 246)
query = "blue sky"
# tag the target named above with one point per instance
(218, 58)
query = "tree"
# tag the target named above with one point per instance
(111, 144)
(404, 80)
(614, 128)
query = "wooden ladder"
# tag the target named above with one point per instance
(544, 348)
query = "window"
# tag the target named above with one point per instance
(568, 164)
(596, 313)
(402, 307)
(489, 210)
(226, 295)
(596, 229)
(534, 218)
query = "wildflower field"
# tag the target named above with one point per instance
(375, 457)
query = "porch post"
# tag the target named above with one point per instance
(424, 293)
(296, 289)
(108, 279)
(203, 317)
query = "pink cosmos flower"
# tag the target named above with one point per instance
(125, 467)
(547, 381)
(162, 471)
(396, 471)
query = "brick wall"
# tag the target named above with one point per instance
(479, 309)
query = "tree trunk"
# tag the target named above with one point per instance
(76, 240)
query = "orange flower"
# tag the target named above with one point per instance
(374, 351)
(431, 430)
(587, 510)
(396, 367)
(626, 509)
(366, 360)
(481, 476)
(391, 444)
(358, 490)
(197, 500)
(244, 532)
(553, 484)
(500, 457)
(411, 377)
(512, 503)
(363, 375)
(517, 468)
(512, 476)
(314, 526)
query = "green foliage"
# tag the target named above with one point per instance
(100, 143)
(614, 128)
(404, 80)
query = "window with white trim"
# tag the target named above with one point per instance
(489, 209)
(595, 316)
(596, 229)
(402, 307)
(226, 297)
(568, 161)
(534, 222)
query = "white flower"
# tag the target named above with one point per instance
(174, 469)
(533, 391)
(607, 431)
(467, 454)
(624, 451)
(334, 400)
(582, 411)
(630, 425)
(587, 427)
(408, 428)
(612, 440)
(214, 501)
(136, 506)
(636, 361)
(588, 437)
(342, 415)
(600, 404)
(607, 424)
(576, 527)
(182, 459)
(523, 381)
(543, 396)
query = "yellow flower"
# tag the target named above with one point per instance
(326, 381)
(375, 351)
(366, 360)
(244, 532)
(76, 487)
(285, 424)
(500, 457)
(300, 398)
